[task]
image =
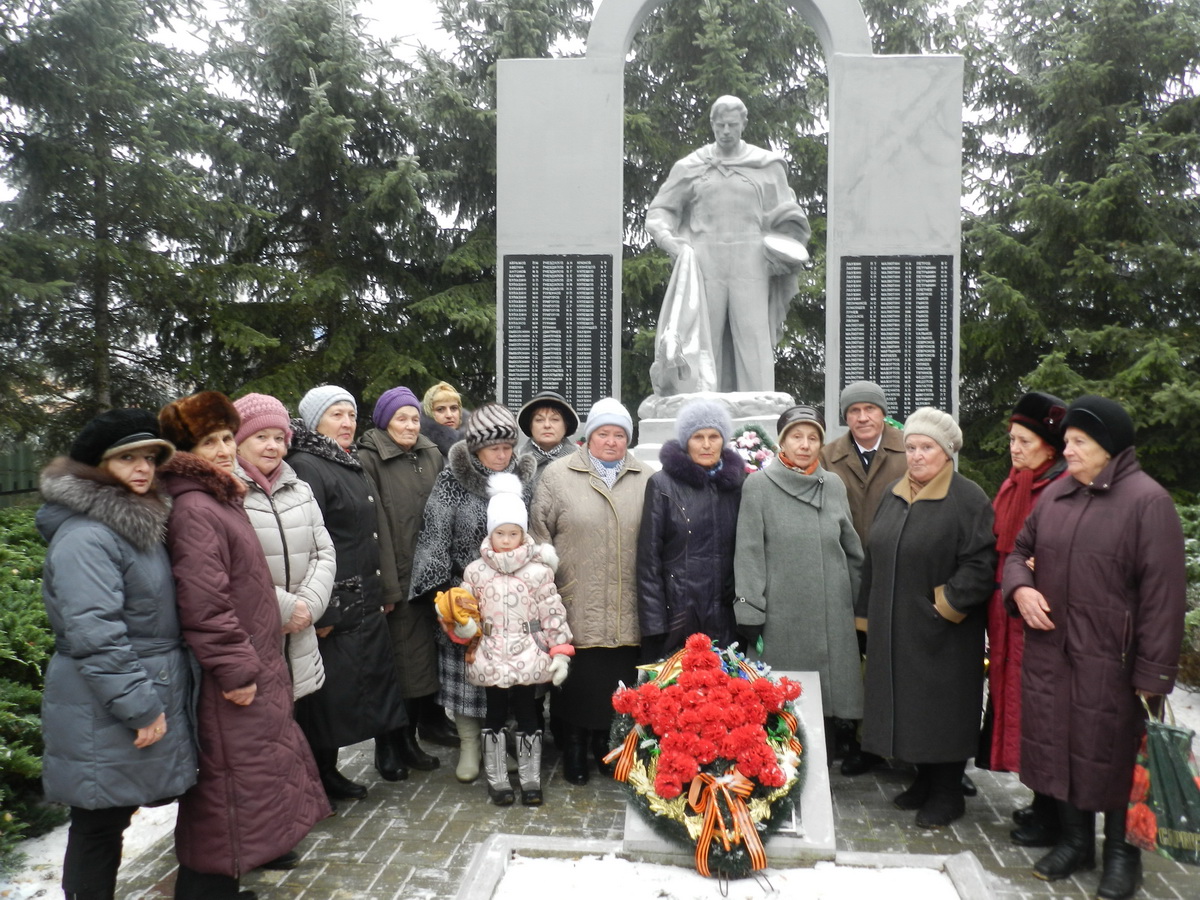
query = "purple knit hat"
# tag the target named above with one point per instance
(386, 405)
(259, 411)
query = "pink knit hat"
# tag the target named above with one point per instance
(259, 411)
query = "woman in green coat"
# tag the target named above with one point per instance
(796, 566)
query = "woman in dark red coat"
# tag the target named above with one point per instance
(258, 792)
(1035, 447)
(1098, 576)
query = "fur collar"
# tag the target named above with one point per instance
(470, 473)
(679, 466)
(305, 440)
(88, 491)
(187, 472)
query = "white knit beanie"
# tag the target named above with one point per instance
(608, 411)
(505, 506)
(935, 424)
(319, 399)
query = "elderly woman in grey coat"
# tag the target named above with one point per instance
(116, 708)
(292, 532)
(796, 567)
(930, 570)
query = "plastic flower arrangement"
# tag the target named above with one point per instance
(710, 748)
(754, 447)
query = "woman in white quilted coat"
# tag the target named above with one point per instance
(289, 525)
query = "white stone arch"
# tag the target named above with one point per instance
(894, 187)
(840, 25)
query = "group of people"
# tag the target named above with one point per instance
(319, 587)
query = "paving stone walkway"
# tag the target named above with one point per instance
(414, 839)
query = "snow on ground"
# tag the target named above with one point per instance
(527, 878)
(39, 875)
(41, 872)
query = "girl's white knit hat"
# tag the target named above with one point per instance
(506, 506)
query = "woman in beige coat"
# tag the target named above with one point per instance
(589, 505)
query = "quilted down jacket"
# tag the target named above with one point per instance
(258, 791)
(521, 615)
(300, 556)
(119, 659)
(1110, 562)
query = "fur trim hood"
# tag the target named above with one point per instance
(471, 474)
(679, 466)
(305, 440)
(74, 488)
(188, 472)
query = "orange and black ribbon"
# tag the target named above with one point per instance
(703, 796)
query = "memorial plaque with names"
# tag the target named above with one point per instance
(557, 328)
(898, 328)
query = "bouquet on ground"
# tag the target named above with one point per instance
(710, 747)
(754, 447)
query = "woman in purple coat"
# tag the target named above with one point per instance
(1099, 577)
(258, 792)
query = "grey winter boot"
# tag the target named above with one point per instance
(468, 728)
(495, 767)
(529, 764)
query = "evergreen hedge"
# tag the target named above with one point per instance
(25, 647)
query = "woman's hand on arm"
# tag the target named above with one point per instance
(242, 696)
(152, 733)
(301, 618)
(1033, 608)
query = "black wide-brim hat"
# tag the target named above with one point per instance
(553, 400)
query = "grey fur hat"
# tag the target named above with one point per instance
(702, 413)
(936, 424)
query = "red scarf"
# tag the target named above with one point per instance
(1014, 501)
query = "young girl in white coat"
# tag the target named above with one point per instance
(511, 616)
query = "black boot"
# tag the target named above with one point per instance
(857, 760)
(193, 885)
(387, 756)
(1122, 861)
(600, 749)
(432, 723)
(1037, 824)
(915, 795)
(411, 752)
(945, 803)
(575, 761)
(1076, 847)
(337, 786)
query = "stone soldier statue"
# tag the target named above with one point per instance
(728, 218)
